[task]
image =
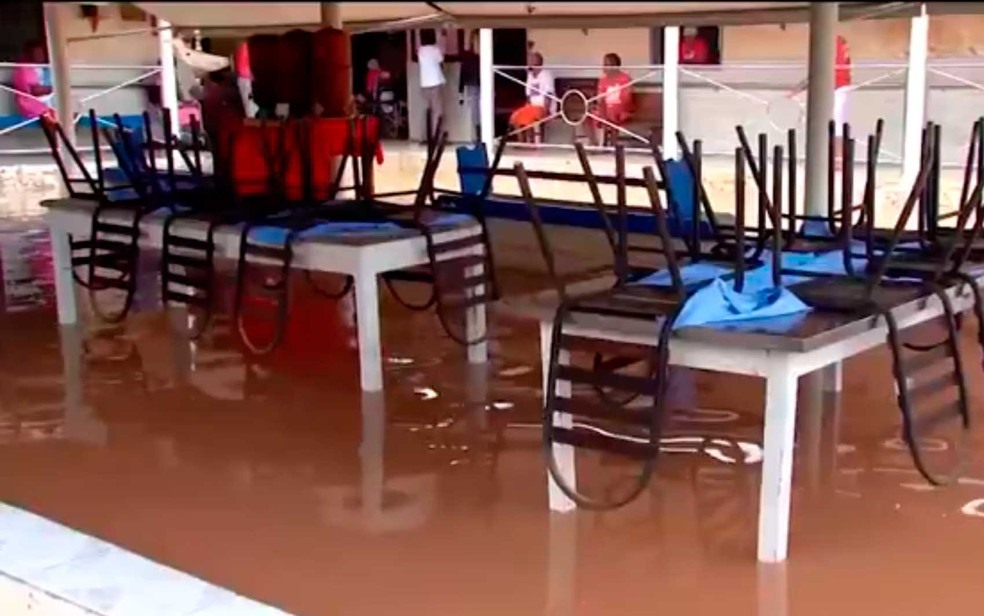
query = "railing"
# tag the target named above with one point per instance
(713, 99)
(81, 105)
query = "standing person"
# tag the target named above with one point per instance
(468, 83)
(539, 95)
(694, 49)
(842, 85)
(33, 81)
(430, 58)
(244, 79)
(615, 92)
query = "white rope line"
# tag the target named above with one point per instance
(725, 87)
(7, 88)
(872, 81)
(128, 82)
(551, 95)
(616, 127)
(83, 67)
(22, 124)
(619, 88)
(955, 78)
(588, 101)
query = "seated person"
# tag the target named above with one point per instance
(693, 48)
(614, 104)
(539, 98)
(34, 81)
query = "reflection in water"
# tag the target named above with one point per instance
(286, 483)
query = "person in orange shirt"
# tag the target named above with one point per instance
(615, 96)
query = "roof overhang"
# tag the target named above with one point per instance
(248, 17)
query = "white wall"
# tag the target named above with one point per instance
(588, 47)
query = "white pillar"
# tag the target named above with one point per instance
(486, 88)
(820, 102)
(54, 19)
(169, 78)
(671, 89)
(915, 95)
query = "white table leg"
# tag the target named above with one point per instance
(564, 454)
(833, 377)
(777, 464)
(68, 312)
(367, 319)
(475, 324)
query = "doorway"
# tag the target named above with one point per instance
(390, 50)
(508, 49)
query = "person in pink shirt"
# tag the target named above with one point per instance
(244, 79)
(33, 81)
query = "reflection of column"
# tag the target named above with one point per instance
(478, 392)
(182, 346)
(818, 426)
(371, 454)
(365, 507)
(773, 597)
(561, 565)
(80, 425)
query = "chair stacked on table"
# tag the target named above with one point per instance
(840, 262)
(277, 182)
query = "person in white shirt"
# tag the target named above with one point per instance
(430, 58)
(539, 97)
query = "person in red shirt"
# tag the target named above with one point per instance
(694, 49)
(614, 96)
(244, 79)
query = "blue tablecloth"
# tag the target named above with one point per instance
(276, 236)
(719, 302)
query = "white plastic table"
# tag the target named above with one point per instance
(363, 256)
(818, 342)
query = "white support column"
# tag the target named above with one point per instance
(331, 15)
(820, 102)
(54, 19)
(671, 89)
(915, 95)
(486, 87)
(169, 78)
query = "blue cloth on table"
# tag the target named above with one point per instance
(691, 273)
(121, 194)
(451, 219)
(719, 302)
(278, 235)
(816, 228)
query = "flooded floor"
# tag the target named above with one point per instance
(279, 480)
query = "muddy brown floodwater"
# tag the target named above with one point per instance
(280, 480)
